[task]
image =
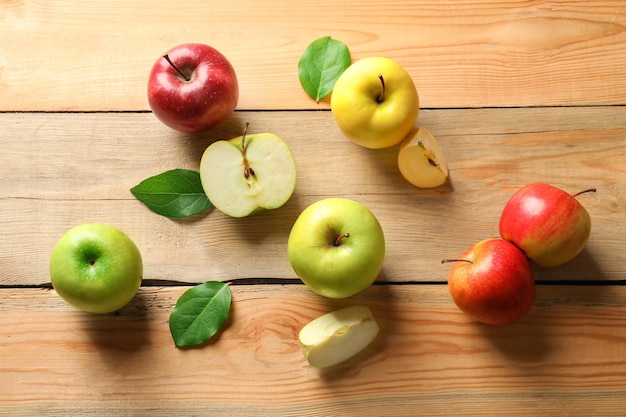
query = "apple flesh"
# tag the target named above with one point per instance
(421, 161)
(96, 268)
(375, 102)
(492, 282)
(337, 247)
(337, 336)
(244, 175)
(549, 225)
(192, 88)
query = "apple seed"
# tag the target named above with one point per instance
(247, 170)
(431, 161)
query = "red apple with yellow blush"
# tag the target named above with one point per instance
(548, 224)
(492, 282)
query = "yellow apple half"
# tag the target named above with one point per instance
(421, 161)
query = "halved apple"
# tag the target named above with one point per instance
(420, 159)
(337, 336)
(244, 175)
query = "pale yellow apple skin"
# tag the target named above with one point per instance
(421, 161)
(361, 116)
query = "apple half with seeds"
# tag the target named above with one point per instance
(337, 336)
(247, 174)
(421, 161)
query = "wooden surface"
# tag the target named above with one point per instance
(565, 358)
(514, 91)
(460, 53)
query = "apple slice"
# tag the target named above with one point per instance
(337, 336)
(244, 175)
(421, 161)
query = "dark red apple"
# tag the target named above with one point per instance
(492, 282)
(192, 88)
(547, 223)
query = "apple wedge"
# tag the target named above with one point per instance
(337, 336)
(421, 161)
(244, 175)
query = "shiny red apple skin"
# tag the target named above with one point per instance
(496, 286)
(201, 103)
(547, 223)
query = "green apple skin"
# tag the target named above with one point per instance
(366, 117)
(547, 223)
(96, 268)
(238, 195)
(331, 265)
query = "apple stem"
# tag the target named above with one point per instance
(588, 190)
(341, 237)
(182, 74)
(247, 170)
(443, 261)
(243, 138)
(382, 90)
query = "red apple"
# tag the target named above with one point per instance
(547, 223)
(492, 282)
(192, 88)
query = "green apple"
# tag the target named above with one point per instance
(96, 268)
(421, 161)
(337, 336)
(244, 175)
(375, 102)
(337, 247)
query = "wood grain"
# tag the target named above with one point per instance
(515, 91)
(565, 358)
(59, 170)
(60, 55)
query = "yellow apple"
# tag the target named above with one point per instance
(375, 102)
(421, 161)
(337, 247)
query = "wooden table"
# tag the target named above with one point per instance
(515, 91)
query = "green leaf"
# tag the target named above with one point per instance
(321, 64)
(175, 193)
(200, 312)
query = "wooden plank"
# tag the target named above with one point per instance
(566, 357)
(60, 170)
(67, 55)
